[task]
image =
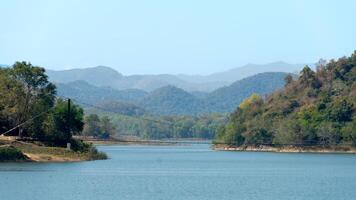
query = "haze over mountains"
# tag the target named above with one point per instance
(171, 100)
(238, 73)
(106, 76)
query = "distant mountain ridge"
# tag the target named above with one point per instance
(171, 100)
(98, 76)
(106, 76)
(234, 94)
(90, 94)
(239, 73)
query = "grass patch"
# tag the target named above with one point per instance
(37, 151)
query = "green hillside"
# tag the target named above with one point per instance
(170, 100)
(84, 92)
(316, 109)
(227, 98)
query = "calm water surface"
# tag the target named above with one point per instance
(183, 172)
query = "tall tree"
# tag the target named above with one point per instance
(92, 126)
(34, 93)
(107, 128)
(61, 125)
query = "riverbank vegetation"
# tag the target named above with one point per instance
(101, 128)
(10, 153)
(160, 127)
(316, 109)
(30, 110)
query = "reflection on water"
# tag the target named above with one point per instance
(184, 172)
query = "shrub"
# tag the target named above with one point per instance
(9, 153)
(94, 154)
(79, 145)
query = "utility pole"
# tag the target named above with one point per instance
(68, 116)
(68, 123)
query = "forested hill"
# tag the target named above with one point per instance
(90, 94)
(174, 101)
(317, 109)
(227, 98)
(170, 100)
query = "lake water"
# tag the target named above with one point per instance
(184, 172)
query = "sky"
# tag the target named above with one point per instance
(176, 36)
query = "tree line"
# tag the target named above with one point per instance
(162, 127)
(98, 127)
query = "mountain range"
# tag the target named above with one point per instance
(106, 76)
(171, 100)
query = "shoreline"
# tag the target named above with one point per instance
(36, 152)
(287, 149)
(145, 142)
(113, 142)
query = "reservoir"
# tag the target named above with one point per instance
(184, 172)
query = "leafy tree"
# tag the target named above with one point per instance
(340, 110)
(288, 79)
(6, 101)
(98, 127)
(60, 126)
(107, 128)
(92, 125)
(254, 99)
(308, 79)
(33, 94)
(348, 132)
(328, 134)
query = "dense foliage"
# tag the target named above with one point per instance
(227, 98)
(122, 108)
(98, 127)
(28, 99)
(8, 153)
(170, 100)
(316, 109)
(163, 127)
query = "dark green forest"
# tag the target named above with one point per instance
(318, 108)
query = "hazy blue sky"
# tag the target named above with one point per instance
(182, 36)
